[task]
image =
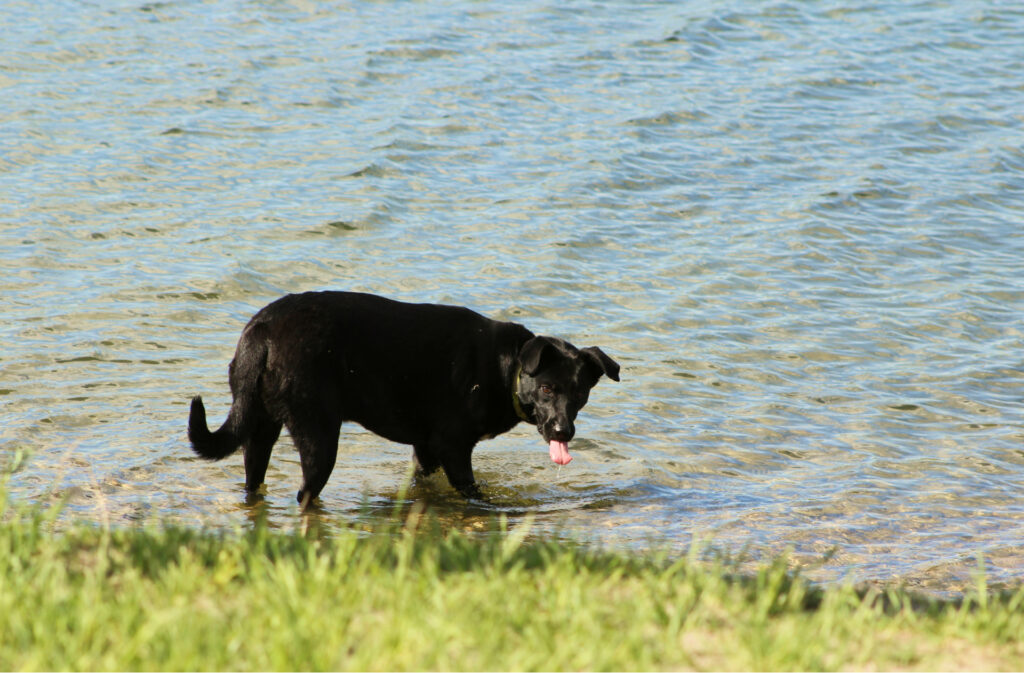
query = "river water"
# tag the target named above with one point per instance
(797, 226)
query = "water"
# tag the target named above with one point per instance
(796, 225)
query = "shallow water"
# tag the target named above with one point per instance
(796, 225)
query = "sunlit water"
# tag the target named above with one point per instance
(798, 227)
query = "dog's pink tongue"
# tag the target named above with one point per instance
(559, 452)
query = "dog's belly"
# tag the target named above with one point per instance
(393, 433)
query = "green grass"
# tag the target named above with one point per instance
(413, 596)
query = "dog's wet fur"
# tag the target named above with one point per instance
(440, 378)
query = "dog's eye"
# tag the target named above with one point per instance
(546, 390)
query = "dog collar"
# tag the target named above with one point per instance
(516, 404)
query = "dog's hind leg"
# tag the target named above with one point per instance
(316, 438)
(257, 451)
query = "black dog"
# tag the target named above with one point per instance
(438, 377)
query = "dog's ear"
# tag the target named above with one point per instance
(532, 354)
(604, 363)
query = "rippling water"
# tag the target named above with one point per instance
(797, 225)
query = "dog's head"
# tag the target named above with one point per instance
(554, 383)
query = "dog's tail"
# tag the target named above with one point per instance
(206, 444)
(246, 370)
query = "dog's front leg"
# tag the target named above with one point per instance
(458, 467)
(426, 462)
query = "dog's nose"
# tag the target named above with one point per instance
(562, 432)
